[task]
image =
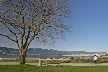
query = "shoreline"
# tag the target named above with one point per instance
(39, 58)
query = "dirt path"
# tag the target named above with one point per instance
(15, 63)
(65, 64)
(84, 64)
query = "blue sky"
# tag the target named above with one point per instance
(90, 28)
(90, 31)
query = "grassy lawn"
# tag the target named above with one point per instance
(28, 68)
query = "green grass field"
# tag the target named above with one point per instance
(28, 68)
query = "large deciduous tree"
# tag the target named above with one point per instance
(27, 20)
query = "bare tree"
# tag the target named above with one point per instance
(27, 20)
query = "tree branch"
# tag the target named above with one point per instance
(8, 37)
(10, 29)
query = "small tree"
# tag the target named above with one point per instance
(26, 20)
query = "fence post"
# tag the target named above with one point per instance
(40, 62)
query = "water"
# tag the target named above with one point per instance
(31, 56)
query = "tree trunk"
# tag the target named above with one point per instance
(22, 57)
